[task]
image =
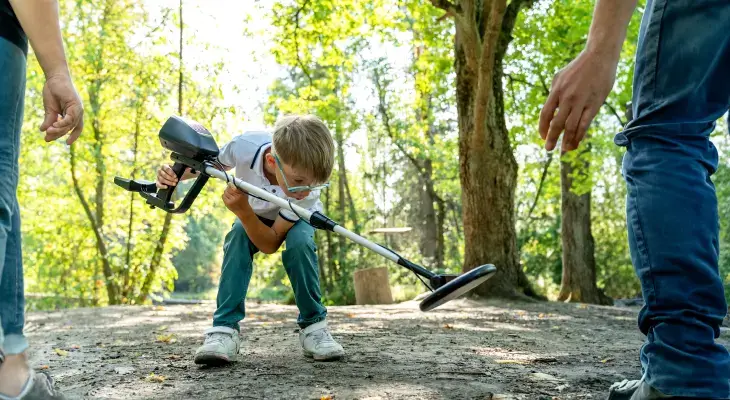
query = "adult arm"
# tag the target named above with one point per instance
(39, 20)
(579, 90)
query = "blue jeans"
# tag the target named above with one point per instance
(12, 302)
(681, 87)
(300, 262)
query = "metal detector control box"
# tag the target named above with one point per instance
(193, 147)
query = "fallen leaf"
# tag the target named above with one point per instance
(541, 315)
(326, 397)
(583, 306)
(605, 360)
(161, 329)
(62, 353)
(447, 326)
(155, 378)
(43, 367)
(75, 347)
(350, 315)
(158, 308)
(174, 357)
(169, 338)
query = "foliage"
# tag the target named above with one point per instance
(547, 37)
(95, 243)
(381, 75)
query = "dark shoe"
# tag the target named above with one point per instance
(38, 387)
(634, 390)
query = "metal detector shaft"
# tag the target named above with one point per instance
(320, 221)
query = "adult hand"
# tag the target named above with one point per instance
(577, 92)
(61, 99)
(236, 200)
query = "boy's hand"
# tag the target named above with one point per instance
(236, 200)
(166, 176)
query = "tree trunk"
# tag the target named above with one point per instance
(160, 248)
(488, 177)
(441, 247)
(579, 265)
(488, 169)
(430, 237)
(329, 276)
(128, 270)
(341, 198)
(372, 286)
(111, 288)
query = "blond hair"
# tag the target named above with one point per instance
(305, 143)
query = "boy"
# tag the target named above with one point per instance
(292, 163)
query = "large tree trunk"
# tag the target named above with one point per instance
(579, 264)
(488, 169)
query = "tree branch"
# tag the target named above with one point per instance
(447, 6)
(486, 74)
(468, 29)
(614, 112)
(296, 42)
(541, 87)
(382, 109)
(508, 24)
(540, 186)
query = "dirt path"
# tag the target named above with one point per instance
(463, 350)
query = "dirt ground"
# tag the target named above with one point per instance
(462, 350)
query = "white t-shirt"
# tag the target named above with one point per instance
(245, 153)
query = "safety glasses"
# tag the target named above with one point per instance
(295, 189)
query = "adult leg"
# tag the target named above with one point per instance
(680, 90)
(14, 371)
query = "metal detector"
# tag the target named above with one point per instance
(193, 147)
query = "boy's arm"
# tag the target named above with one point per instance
(266, 239)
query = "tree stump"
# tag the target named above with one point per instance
(372, 286)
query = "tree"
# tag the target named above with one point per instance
(578, 283)
(547, 37)
(488, 169)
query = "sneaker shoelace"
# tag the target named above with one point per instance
(218, 338)
(322, 337)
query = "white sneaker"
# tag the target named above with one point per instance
(318, 343)
(221, 346)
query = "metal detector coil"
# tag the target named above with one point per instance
(193, 147)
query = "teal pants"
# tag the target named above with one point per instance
(300, 261)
